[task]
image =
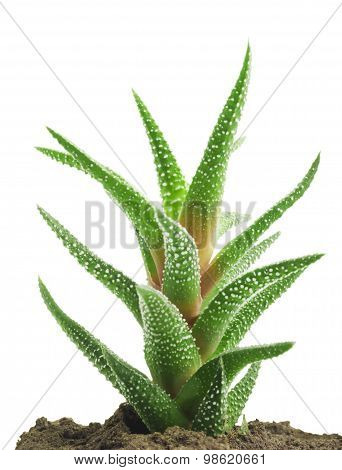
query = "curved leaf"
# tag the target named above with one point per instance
(194, 390)
(237, 247)
(237, 269)
(85, 341)
(117, 282)
(172, 184)
(154, 406)
(250, 312)
(132, 203)
(170, 350)
(214, 320)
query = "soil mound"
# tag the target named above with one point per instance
(125, 430)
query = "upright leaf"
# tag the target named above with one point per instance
(117, 282)
(153, 405)
(170, 350)
(244, 429)
(211, 415)
(172, 184)
(181, 276)
(215, 319)
(239, 395)
(195, 389)
(237, 247)
(199, 214)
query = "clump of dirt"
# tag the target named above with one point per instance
(125, 430)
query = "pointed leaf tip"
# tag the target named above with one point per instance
(49, 129)
(237, 306)
(238, 246)
(132, 203)
(194, 390)
(116, 281)
(201, 206)
(154, 405)
(172, 183)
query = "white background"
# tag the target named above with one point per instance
(182, 57)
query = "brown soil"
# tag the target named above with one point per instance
(124, 430)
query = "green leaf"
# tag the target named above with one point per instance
(194, 390)
(132, 203)
(244, 428)
(238, 268)
(117, 282)
(150, 265)
(214, 320)
(181, 276)
(211, 415)
(228, 220)
(237, 247)
(85, 341)
(200, 209)
(170, 350)
(154, 406)
(239, 395)
(251, 311)
(172, 184)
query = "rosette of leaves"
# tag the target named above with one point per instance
(197, 307)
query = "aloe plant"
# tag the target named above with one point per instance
(196, 307)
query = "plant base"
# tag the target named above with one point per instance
(124, 430)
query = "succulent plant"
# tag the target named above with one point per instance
(196, 307)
